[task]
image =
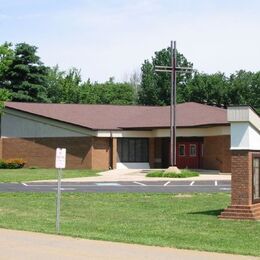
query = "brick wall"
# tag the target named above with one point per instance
(82, 152)
(216, 154)
(101, 153)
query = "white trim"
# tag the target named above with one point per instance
(161, 132)
(245, 128)
(243, 114)
(124, 133)
(243, 148)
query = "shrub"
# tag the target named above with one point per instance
(183, 174)
(12, 163)
(2, 164)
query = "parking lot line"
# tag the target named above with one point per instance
(107, 184)
(139, 183)
(64, 189)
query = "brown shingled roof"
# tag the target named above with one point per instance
(114, 117)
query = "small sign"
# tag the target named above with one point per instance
(60, 161)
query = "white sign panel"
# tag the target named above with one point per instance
(60, 161)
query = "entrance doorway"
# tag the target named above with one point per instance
(189, 152)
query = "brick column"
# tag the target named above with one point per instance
(242, 206)
(114, 152)
(151, 152)
(241, 181)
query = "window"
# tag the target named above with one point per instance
(256, 178)
(182, 150)
(132, 149)
(193, 149)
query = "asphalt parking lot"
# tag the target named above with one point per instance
(121, 186)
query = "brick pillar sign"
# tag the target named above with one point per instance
(245, 192)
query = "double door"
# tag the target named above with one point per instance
(189, 153)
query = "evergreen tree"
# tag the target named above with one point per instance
(25, 77)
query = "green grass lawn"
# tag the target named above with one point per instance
(21, 175)
(182, 221)
(161, 173)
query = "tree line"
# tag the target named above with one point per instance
(25, 78)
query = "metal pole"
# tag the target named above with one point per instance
(174, 104)
(58, 198)
(171, 108)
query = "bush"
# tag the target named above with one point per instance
(183, 174)
(12, 163)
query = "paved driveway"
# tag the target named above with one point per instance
(139, 175)
(21, 245)
(122, 186)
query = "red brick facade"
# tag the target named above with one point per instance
(101, 153)
(216, 154)
(82, 152)
(242, 206)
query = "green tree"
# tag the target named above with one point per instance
(25, 77)
(63, 87)
(5, 95)
(107, 93)
(155, 87)
(6, 59)
(210, 89)
(244, 88)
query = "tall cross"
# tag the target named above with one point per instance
(173, 69)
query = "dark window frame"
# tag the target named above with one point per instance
(137, 143)
(255, 156)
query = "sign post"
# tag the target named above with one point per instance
(60, 163)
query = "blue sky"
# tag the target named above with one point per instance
(112, 38)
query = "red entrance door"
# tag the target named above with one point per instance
(188, 154)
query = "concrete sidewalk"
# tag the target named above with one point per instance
(139, 175)
(21, 245)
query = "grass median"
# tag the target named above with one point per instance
(25, 174)
(163, 174)
(182, 221)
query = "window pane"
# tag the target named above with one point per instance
(145, 150)
(138, 150)
(256, 178)
(182, 150)
(124, 150)
(192, 150)
(256, 162)
(131, 150)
